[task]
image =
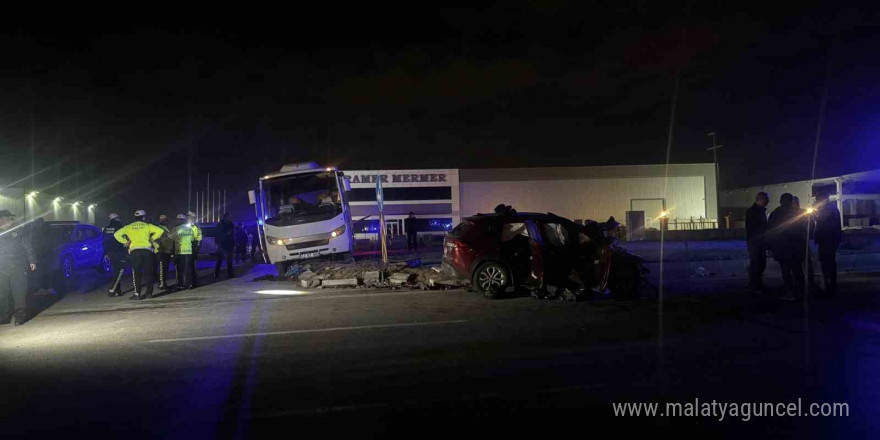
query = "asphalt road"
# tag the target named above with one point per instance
(226, 361)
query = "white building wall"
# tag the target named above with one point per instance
(745, 197)
(595, 199)
(12, 200)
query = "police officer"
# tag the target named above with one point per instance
(116, 252)
(16, 257)
(138, 237)
(183, 236)
(197, 243)
(165, 249)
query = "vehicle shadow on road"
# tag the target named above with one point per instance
(206, 278)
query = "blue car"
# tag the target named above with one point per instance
(77, 246)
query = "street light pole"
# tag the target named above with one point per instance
(714, 149)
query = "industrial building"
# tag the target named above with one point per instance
(12, 200)
(857, 196)
(637, 196)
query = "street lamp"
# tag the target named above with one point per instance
(93, 206)
(32, 194)
(714, 149)
(57, 200)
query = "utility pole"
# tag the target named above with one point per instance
(714, 149)
(208, 191)
(189, 173)
(30, 205)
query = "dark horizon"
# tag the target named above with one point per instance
(114, 108)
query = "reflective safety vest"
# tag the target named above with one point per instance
(197, 233)
(183, 238)
(138, 235)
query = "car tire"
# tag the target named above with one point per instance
(491, 278)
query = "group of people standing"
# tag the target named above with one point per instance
(150, 248)
(786, 235)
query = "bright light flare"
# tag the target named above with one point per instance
(811, 210)
(93, 206)
(58, 200)
(282, 292)
(664, 214)
(32, 194)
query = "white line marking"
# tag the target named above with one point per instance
(316, 330)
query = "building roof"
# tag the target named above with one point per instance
(596, 172)
(871, 175)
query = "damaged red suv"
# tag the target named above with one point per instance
(508, 251)
(505, 251)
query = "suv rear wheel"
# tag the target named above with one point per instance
(491, 277)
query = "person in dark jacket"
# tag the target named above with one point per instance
(16, 258)
(756, 227)
(165, 252)
(828, 236)
(116, 252)
(787, 233)
(44, 248)
(811, 271)
(241, 243)
(255, 244)
(412, 232)
(225, 237)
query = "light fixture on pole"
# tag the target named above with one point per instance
(32, 194)
(57, 200)
(714, 149)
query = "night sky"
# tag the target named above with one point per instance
(114, 105)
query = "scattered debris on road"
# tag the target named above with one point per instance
(413, 273)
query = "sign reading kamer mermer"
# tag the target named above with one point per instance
(399, 178)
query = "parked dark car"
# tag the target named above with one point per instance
(76, 246)
(509, 251)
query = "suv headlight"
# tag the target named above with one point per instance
(337, 232)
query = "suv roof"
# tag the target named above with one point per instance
(526, 215)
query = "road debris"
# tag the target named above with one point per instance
(350, 282)
(367, 273)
